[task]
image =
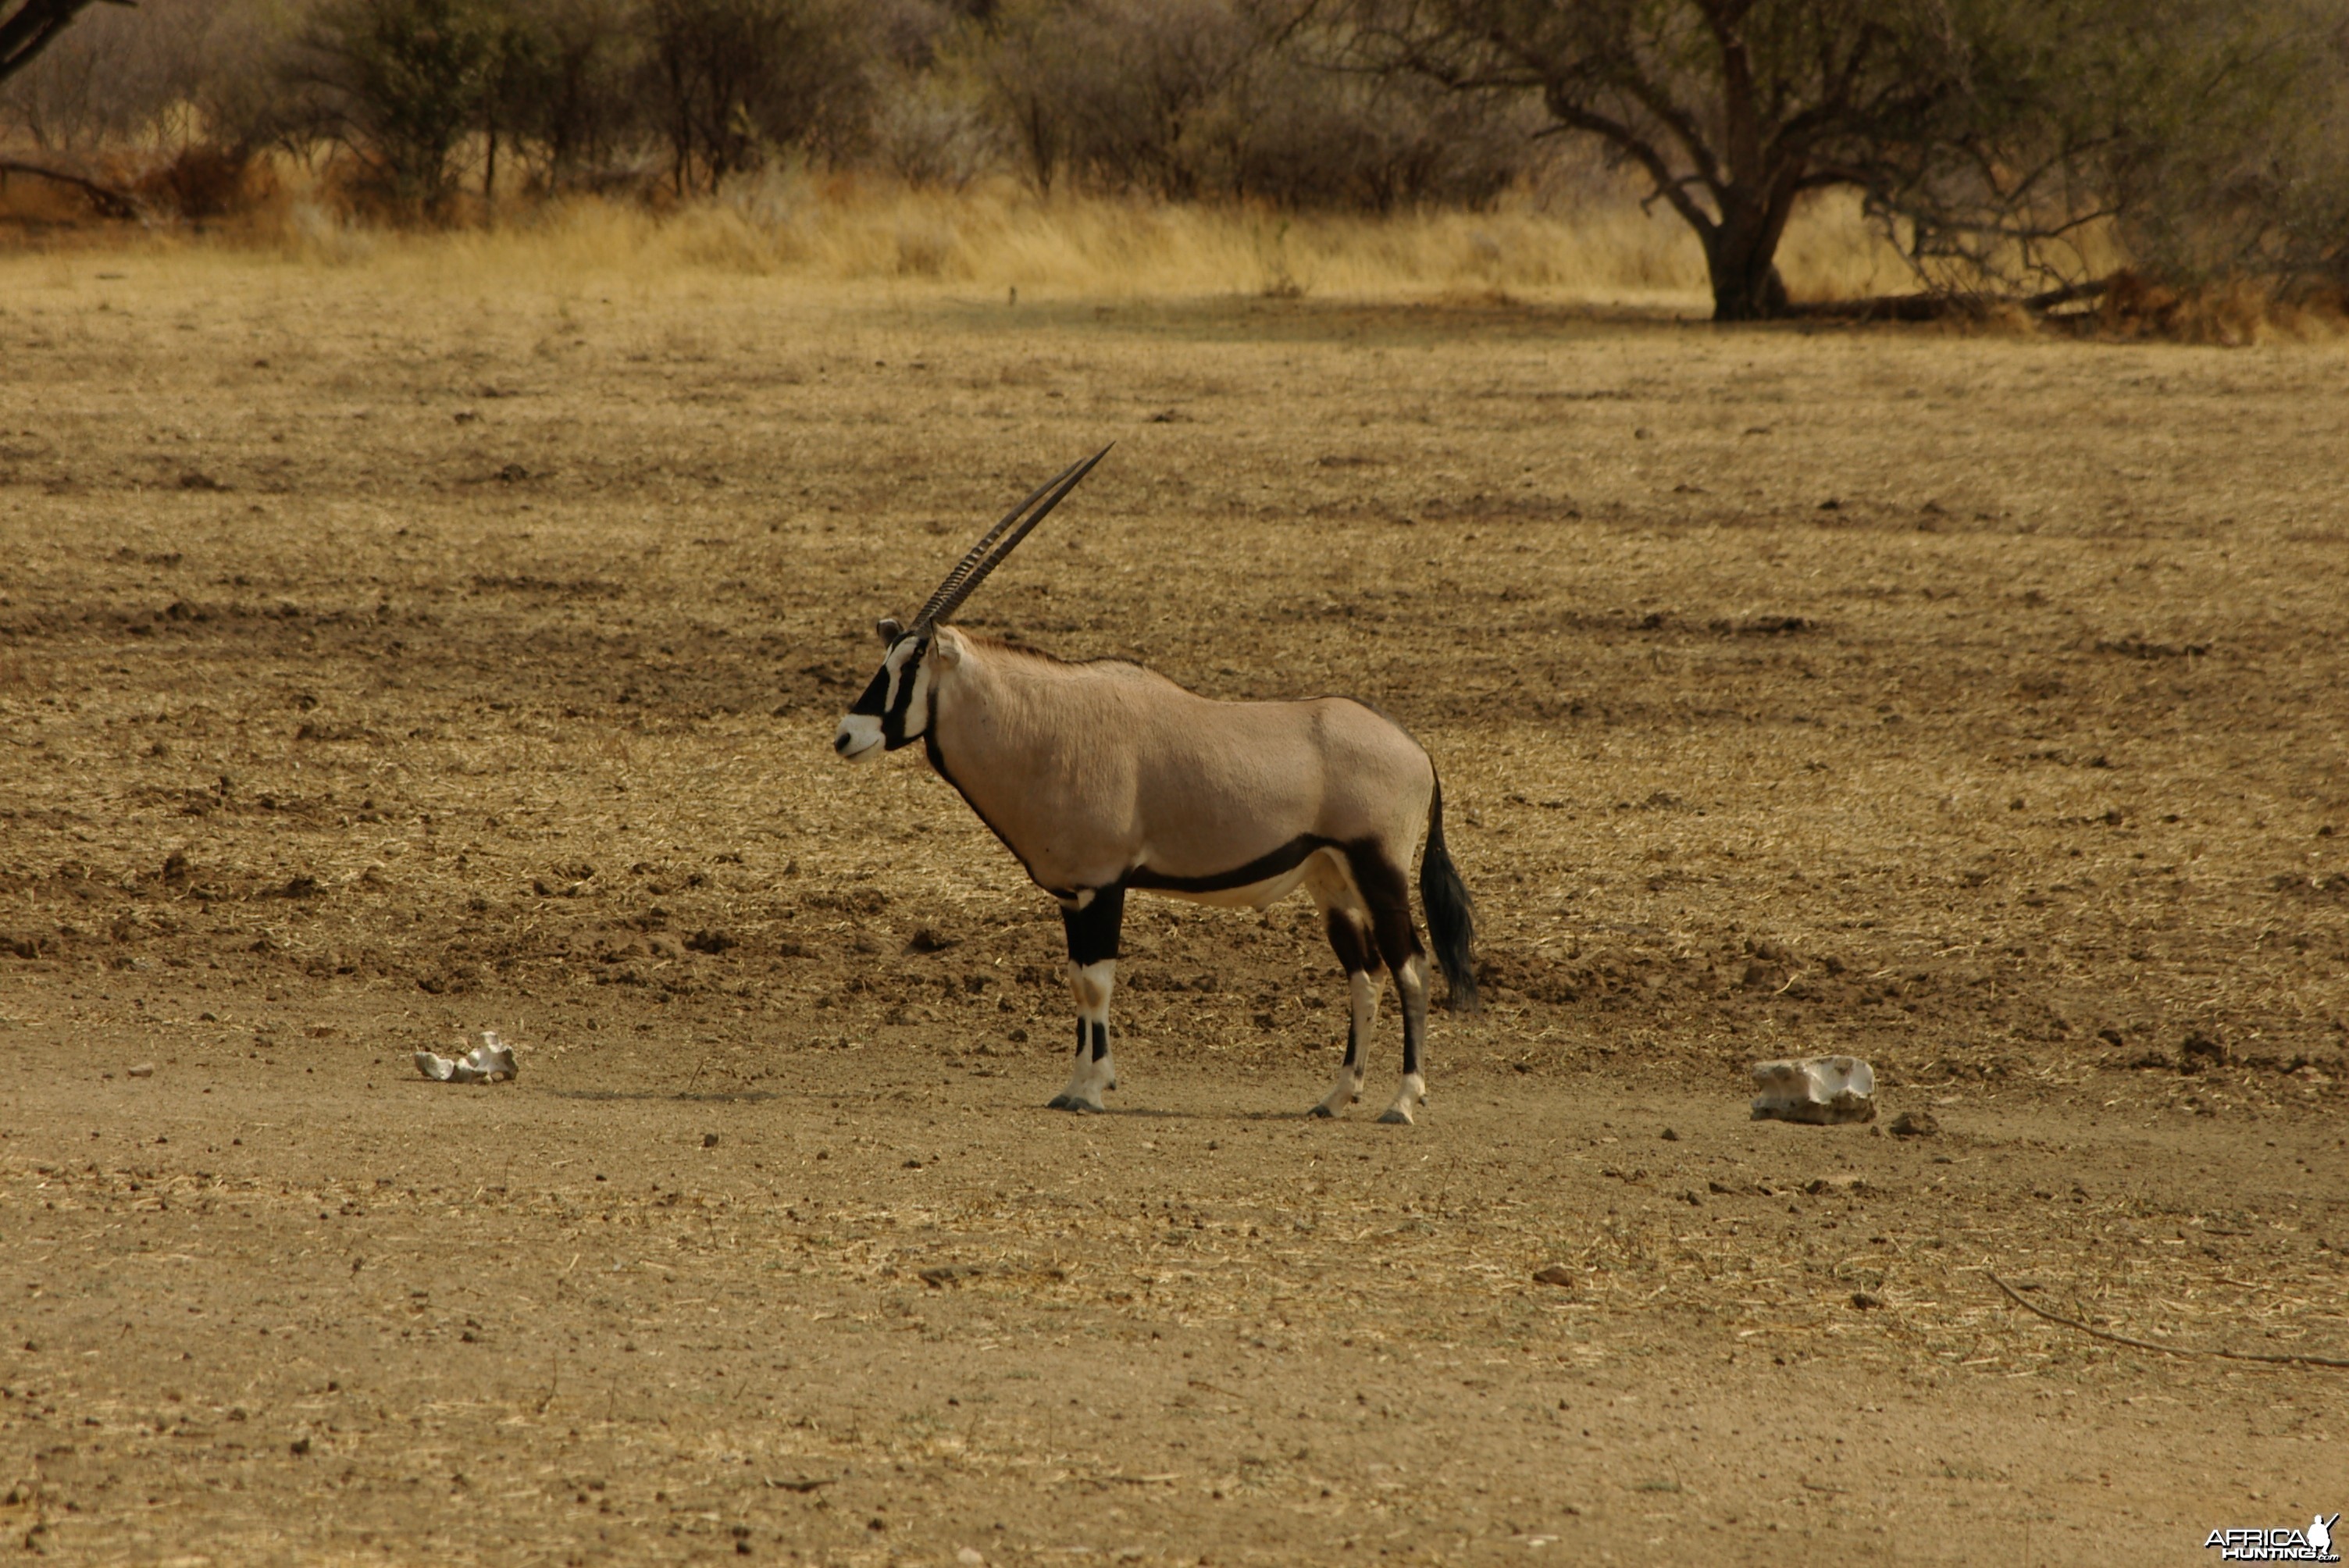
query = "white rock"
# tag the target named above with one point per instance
(490, 1061)
(1815, 1089)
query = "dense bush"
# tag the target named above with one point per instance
(1186, 98)
(120, 76)
(401, 84)
(1179, 99)
(730, 83)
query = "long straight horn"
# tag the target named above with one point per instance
(972, 556)
(988, 554)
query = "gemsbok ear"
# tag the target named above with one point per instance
(889, 629)
(947, 648)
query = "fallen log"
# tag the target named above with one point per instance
(1944, 307)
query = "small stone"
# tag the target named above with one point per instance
(1556, 1273)
(144, 1069)
(970, 1557)
(1862, 1300)
(1914, 1124)
(1669, 1136)
(300, 1446)
(1818, 1090)
(710, 1141)
(492, 1061)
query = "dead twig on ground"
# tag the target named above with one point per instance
(2165, 1349)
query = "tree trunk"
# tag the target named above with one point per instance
(1741, 256)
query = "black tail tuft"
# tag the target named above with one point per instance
(1451, 917)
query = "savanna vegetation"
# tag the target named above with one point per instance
(1995, 147)
(454, 452)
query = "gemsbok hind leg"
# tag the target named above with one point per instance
(1350, 938)
(1092, 920)
(1389, 897)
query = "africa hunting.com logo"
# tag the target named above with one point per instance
(2286, 1545)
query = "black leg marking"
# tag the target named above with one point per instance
(1094, 930)
(1347, 940)
(1094, 926)
(1350, 940)
(1351, 944)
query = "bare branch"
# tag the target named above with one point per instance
(2275, 1360)
(33, 27)
(109, 202)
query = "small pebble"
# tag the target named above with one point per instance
(144, 1069)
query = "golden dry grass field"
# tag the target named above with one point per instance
(405, 647)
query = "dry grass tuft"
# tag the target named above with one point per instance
(1598, 248)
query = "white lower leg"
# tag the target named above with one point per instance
(1413, 1095)
(1349, 1086)
(1094, 1072)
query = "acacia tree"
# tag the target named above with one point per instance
(1977, 131)
(1731, 108)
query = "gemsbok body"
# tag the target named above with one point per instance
(1103, 777)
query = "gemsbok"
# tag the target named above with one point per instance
(1103, 776)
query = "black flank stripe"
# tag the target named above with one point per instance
(1263, 868)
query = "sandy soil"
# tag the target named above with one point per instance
(386, 653)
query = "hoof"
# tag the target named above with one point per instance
(1394, 1116)
(1323, 1112)
(1059, 1102)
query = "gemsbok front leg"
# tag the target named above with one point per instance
(1352, 941)
(1094, 918)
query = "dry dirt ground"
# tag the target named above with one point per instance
(389, 653)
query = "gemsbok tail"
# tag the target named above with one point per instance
(1451, 915)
